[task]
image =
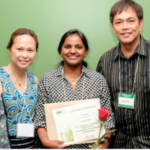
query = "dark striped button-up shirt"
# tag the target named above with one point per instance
(133, 125)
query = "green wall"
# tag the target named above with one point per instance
(50, 19)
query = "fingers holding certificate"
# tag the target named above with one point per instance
(75, 123)
(54, 144)
(72, 82)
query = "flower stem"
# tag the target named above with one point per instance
(100, 130)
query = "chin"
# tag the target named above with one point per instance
(23, 66)
(127, 41)
(73, 64)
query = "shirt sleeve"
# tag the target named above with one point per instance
(105, 95)
(106, 103)
(100, 66)
(39, 119)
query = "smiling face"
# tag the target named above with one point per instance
(127, 27)
(73, 50)
(23, 51)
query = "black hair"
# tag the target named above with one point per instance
(122, 5)
(81, 35)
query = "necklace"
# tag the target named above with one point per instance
(14, 77)
(64, 88)
(75, 76)
(74, 81)
(22, 109)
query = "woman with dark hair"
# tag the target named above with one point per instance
(18, 88)
(71, 81)
(81, 35)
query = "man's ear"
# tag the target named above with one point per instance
(141, 24)
(112, 27)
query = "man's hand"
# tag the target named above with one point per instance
(104, 145)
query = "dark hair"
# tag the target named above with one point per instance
(80, 34)
(22, 31)
(121, 5)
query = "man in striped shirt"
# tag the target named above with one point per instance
(126, 68)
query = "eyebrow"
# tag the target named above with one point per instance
(71, 44)
(20, 46)
(126, 18)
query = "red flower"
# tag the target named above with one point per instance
(103, 114)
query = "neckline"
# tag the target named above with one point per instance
(76, 84)
(60, 71)
(22, 94)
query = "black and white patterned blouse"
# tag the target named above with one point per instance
(53, 87)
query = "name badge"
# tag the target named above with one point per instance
(25, 130)
(126, 100)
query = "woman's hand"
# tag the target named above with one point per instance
(54, 144)
(104, 145)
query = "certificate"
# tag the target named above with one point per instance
(78, 123)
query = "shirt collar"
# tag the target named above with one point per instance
(140, 51)
(60, 72)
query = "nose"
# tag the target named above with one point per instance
(73, 50)
(125, 25)
(24, 54)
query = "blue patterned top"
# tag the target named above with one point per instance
(18, 111)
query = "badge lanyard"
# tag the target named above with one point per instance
(25, 130)
(28, 129)
(134, 74)
(20, 90)
(127, 100)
